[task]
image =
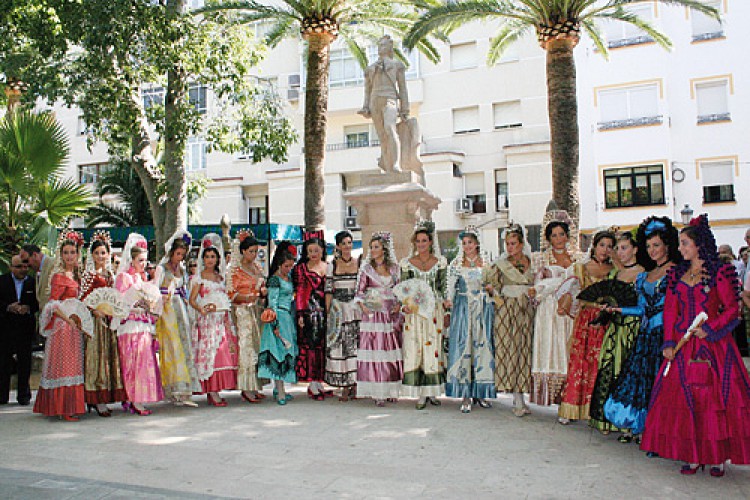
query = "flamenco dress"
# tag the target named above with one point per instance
(342, 337)
(309, 303)
(700, 410)
(248, 326)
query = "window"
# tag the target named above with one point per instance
(622, 34)
(466, 120)
(258, 210)
(198, 98)
(474, 186)
(712, 100)
(634, 187)
(91, 173)
(357, 136)
(507, 114)
(704, 27)
(718, 181)
(464, 56)
(83, 128)
(195, 154)
(344, 70)
(501, 190)
(412, 57)
(153, 96)
(629, 106)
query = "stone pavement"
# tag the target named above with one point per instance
(311, 449)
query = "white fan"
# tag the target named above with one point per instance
(109, 301)
(74, 307)
(148, 293)
(416, 292)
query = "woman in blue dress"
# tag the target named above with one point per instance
(278, 343)
(471, 355)
(627, 404)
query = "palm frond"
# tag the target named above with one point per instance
(36, 142)
(62, 199)
(623, 15)
(508, 34)
(282, 29)
(590, 27)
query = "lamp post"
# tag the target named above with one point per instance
(686, 214)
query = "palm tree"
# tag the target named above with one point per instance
(558, 25)
(35, 198)
(131, 206)
(320, 22)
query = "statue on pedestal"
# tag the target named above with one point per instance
(386, 100)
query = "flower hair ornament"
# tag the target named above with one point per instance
(236, 255)
(67, 235)
(134, 240)
(387, 238)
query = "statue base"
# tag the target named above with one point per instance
(392, 202)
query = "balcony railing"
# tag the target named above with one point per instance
(717, 117)
(630, 122)
(626, 42)
(708, 36)
(372, 143)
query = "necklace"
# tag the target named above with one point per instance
(693, 274)
(626, 266)
(345, 261)
(658, 266)
(472, 262)
(560, 251)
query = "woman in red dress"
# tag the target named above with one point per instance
(61, 387)
(700, 404)
(309, 278)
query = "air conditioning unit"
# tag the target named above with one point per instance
(464, 206)
(351, 223)
(294, 80)
(292, 94)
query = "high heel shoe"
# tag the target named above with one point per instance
(421, 405)
(70, 418)
(483, 403)
(625, 438)
(465, 407)
(105, 413)
(716, 471)
(213, 402)
(434, 401)
(127, 407)
(689, 470)
(143, 413)
(287, 397)
(315, 396)
(249, 399)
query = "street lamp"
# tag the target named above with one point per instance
(687, 214)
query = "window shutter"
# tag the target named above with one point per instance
(712, 98)
(717, 173)
(466, 120)
(474, 184)
(507, 114)
(464, 56)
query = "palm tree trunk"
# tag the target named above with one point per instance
(563, 122)
(316, 109)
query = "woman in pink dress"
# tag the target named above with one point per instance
(216, 352)
(135, 334)
(61, 390)
(700, 404)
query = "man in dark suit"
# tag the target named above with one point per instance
(18, 305)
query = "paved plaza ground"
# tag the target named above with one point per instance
(311, 449)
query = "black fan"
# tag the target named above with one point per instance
(613, 293)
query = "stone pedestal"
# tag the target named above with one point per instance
(392, 202)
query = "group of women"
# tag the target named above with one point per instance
(422, 327)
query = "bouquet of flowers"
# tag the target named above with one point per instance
(416, 293)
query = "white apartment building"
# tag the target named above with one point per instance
(664, 130)
(667, 123)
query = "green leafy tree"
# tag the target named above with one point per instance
(558, 25)
(36, 199)
(116, 49)
(320, 22)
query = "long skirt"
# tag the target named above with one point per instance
(627, 405)
(216, 356)
(277, 361)
(178, 375)
(341, 343)
(380, 365)
(140, 370)
(513, 333)
(549, 366)
(61, 388)
(583, 365)
(701, 419)
(311, 340)
(248, 332)
(618, 340)
(424, 359)
(103, 374)
(471, 355)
